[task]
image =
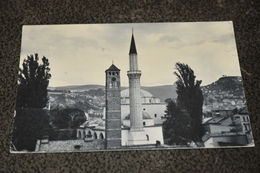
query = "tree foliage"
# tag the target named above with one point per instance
(190, 98)
(33, 80)
(176, 128)
(30, 125)
(67, 118)
(185, 116)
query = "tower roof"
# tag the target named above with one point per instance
(132, 46)
(113, 68)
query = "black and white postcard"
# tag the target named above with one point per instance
(93, 87)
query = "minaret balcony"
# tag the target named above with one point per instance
(134, 72)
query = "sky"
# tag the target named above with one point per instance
(79, 54)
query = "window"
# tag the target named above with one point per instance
(245, 127)
(155, 115)
(101, 136)
(147, 136)
(95, 135)
(144, 123)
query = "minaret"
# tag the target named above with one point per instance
(136, 134)
(113, 108)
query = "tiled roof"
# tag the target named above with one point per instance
(215, 120)
(243, 111)
(69, 145)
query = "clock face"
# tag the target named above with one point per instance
(113, 79)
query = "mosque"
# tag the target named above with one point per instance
(138, 127)
(133, 117)
(151, 106)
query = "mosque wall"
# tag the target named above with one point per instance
(156, 111)
(154, 134)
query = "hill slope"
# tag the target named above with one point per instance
(78, 87)
(226, 93)
(161, 92)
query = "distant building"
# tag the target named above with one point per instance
(94, 114)
(224, 112)
(243, 119)
(227, 128)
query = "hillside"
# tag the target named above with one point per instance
(161, 92)
(87, 97)
(226, 93)
(78, 88)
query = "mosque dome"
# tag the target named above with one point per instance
(145, 115)
(125, 93)
(146, 97)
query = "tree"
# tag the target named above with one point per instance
(176, 128)
(31, 121)
(29, 126)
(68, 118)
(184, 118)
(190, 98)
(33, 80)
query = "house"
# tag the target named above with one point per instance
(225, 129)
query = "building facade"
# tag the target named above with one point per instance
(113, 108)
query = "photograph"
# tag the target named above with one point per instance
(129, 86)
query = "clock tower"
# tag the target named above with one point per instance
(113, 108)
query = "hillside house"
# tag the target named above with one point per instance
(227, 128)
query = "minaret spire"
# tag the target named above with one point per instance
(132, 45)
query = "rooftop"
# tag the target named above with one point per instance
(113, 68)
(243, 111)
(70, 145)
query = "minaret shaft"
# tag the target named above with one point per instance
(134, 75)
(135, 100)
(133, 65)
